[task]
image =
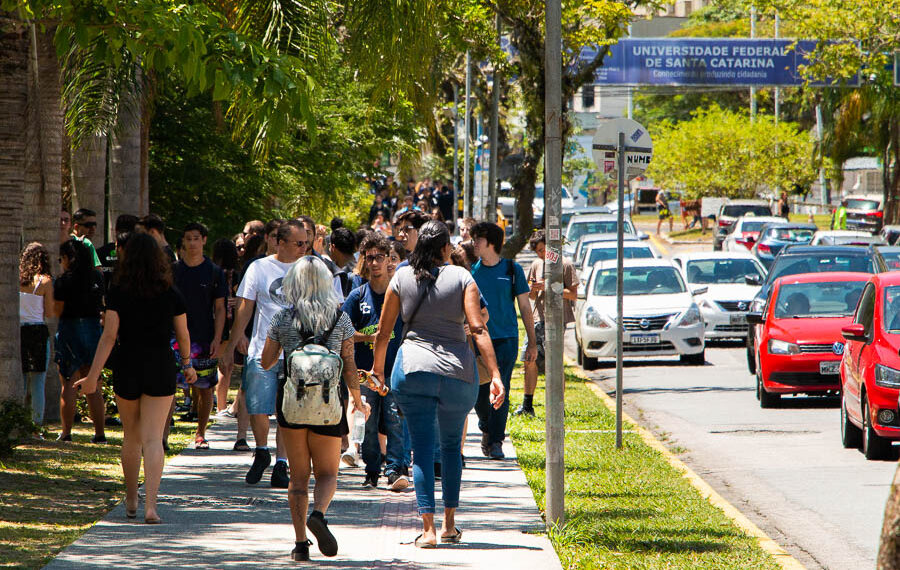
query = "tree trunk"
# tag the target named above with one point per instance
(125, 162)
(88, 165)
(13, 102)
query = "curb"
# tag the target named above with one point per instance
(781, 556)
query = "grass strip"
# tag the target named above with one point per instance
(625, 508)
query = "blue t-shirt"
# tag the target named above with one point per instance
(495, 285)
(364, 308)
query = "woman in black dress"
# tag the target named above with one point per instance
(142, 309)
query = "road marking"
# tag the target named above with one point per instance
(781, 556)
(659, 245)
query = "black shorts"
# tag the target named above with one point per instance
(339, 430)
(143, 372)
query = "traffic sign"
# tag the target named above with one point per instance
(638, 146)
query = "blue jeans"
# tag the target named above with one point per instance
(34, 385)
(421, 396)
(384, 414)
(491, 421)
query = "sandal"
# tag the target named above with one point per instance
(131, 514)
(423, 544)
(201, 443)
(452, 538)
(241, 445)
(153, 520)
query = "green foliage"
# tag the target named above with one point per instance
(15, 425)
(723, 153)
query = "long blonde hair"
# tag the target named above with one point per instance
(309, 288)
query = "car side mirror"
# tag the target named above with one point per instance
(642, 236)
(856, 331)
(752, 280)
(700, 290)
(754, 318)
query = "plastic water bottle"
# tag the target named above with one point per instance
(359, 426)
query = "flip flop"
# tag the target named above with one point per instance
(130, 514)
(155, 520)
(201, 443)
(423, 544)
(452, 538)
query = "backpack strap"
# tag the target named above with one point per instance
(511, 272)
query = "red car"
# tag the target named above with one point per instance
(870, 370)
(799, 344)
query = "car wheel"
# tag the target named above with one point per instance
(873, 445)
(751, 354)
(698, 359)
(580, 355)
(766, 399)
(586, 361)
(851, 436)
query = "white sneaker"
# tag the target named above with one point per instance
(349, 458)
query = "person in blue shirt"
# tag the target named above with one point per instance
(502, 283)
(363, 305)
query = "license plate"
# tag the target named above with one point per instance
(738, 319)
(644, 339)
(830, 367)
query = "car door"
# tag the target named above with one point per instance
(855, 352)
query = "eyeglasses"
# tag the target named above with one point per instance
(377, 258)
(407, 229)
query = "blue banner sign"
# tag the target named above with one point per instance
(704, 62)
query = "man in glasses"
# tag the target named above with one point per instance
(84, 225)
(363, 306)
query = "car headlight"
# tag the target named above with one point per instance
(782, 347)
(690, 317)
(887, 377)
(758, 304)
(593, 319)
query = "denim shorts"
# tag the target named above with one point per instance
(260, 386)
(76, 341)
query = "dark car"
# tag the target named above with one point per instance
(796, 259)
(774, 237)
(865, 213)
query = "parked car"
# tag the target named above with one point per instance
(660, 316)
(592, 224)
(797, 259)
(864, 212)
(506, 201)
(569, 213)
(775, 236)
(587, 240)
(744, 232)
(891, 256)
(798, 336)
(731, 211)
(870, 370)
(831, 237)
(725, 305)
(890, 234)
(607, 250)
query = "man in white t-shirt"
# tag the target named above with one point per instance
(260, 296)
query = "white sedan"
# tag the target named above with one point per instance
(725, 304)
(607, 250)
(745, 232)
(660, 316)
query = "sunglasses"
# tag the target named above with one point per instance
(87, 224)
(408, 229)
(377, 258)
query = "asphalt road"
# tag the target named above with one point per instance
(785, 468)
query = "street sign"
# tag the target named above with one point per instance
(638, 147)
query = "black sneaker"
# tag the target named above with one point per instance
(300, 553)
(485, 445)
(241, 445)
(524, 411)
(261, 460)
(437, 470)
(98, 439)
(280, 478)
(398, 482)
(371, 482)
(317, 524)
(497, 451)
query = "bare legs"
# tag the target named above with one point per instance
(143, 422)
(429, 533)
(204, 408)
(96, 405)
(324, 452)
(259, 423)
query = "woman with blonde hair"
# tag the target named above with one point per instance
(313, 313)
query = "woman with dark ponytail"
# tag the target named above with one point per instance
(434, 372)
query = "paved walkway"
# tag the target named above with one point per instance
(212, 519)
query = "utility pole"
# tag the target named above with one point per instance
(777, 89)
(455, 157)
(467, 204)
(494, 134)
(826, 198)
(752, 89)
(629, 107)
(553, 267)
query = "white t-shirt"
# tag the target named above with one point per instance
(262, 283)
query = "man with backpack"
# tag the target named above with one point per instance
(502, 283)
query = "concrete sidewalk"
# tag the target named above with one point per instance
(212, 519)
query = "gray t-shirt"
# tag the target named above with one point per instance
(436, 340)
(283, 331)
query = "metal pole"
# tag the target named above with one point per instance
(826, 199)
(553, 267)
(777, 89)
(620, 268)
(455, 157)
(467, 205)
(495, 128)
(753, 89)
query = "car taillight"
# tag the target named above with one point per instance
(878, 214)
(764, 248)
(725, 223)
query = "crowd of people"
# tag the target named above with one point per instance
(398, 322)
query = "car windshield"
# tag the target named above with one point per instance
(639, 281)
(752, 226)
(607, 253)
(892, 259)
(721, 271)
(578, 229)
(738, 210)
(864, 205)
(793, 235)
(811, 263)
(822, 299)
(891, 318)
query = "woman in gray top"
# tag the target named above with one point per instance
(434, 373)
